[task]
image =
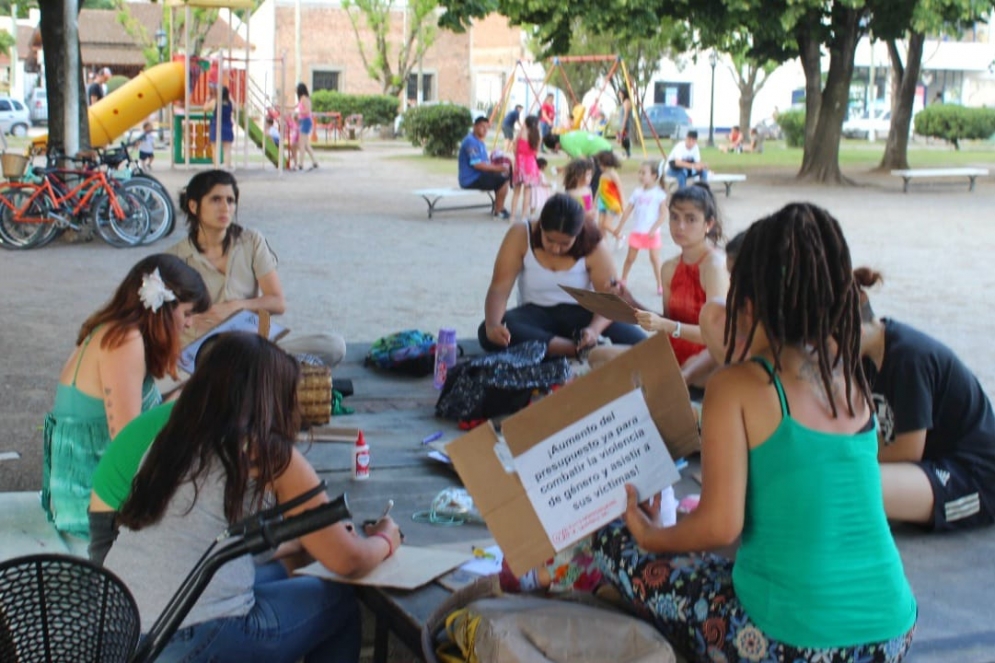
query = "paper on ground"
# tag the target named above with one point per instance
(409, 567)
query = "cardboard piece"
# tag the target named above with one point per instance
(241, 320)
(409, 567)
(333, 434)
(605, 304)
(500, 495)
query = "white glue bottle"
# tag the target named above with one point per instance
(360, 459)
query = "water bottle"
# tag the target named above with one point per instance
(445, 355)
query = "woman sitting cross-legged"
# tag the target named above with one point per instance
(789, 463)
(561, 248)
(110, 376)
(226, 451)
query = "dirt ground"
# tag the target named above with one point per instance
(358, 255)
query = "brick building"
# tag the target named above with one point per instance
(330, 56)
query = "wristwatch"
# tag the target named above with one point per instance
(677, 330)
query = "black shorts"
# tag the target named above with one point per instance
(146, 155)
(959, 499)
(508, 132)
(488, 182)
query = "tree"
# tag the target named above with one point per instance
(750, 72)
(380, 64)
(60, 40)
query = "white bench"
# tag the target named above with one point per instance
(912, 173)
(726, 178)
(433, 196)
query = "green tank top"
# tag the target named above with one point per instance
(113, 477)
(75, 437)
(817, 566)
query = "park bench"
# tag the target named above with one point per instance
(909, 174)
(726, 178)
(433, 196)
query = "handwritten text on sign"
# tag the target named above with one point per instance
(575, 478)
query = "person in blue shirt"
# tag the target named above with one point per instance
(476, 170)
(508, 126)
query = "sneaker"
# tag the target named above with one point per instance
(504, 214)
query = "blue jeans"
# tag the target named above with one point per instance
(293, 618)
(683, 174)
(531, 322)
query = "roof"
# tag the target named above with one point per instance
(24, 34)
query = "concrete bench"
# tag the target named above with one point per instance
(912, 173)
(726, 178)
(433, 196)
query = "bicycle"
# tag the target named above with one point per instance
(155, 196)
(39, 207)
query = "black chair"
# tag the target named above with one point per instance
(56, 608)
(62, 609)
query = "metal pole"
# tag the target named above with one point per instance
(71, 113)
(711, 107)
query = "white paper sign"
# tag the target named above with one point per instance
(575, 479)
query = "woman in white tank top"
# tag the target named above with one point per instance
(558, 249)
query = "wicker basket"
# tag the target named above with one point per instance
(314, 394)
(14, 165)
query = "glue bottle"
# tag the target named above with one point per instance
(361, 459)
(445, 356)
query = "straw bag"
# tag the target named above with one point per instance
(314, 391)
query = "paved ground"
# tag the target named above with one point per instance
(359, 256)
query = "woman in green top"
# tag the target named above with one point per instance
(789, 461)
(109, 378)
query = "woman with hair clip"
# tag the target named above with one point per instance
(110, 376)
(237, 264)
(226, 452)
(561, 248)
(789, 462)
(936, 425)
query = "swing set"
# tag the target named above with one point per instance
(555, 67)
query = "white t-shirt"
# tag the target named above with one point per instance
(646, 207)
(682, 152)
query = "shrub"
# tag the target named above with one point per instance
(438, 129)
(116, 81)
(792, 123)
(955, 123)
(376, 109)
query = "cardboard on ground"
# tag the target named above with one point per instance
(409, 567)
(242, 320)
(606, 304)
(501, 496)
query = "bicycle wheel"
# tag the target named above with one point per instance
(25, 228)
(162, 215)
(127, 230)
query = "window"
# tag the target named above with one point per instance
(17, 104)
(324, 79)
(4, 105)
(427, 80)
(672, 93)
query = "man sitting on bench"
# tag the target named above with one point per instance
(685, 161)
(477, 172)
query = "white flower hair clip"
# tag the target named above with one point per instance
(154, 292)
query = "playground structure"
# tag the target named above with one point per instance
(578, 109)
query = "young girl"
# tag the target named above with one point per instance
(223, 108)
(649, 205)
(610, 198)
(306, 121)
(577, 184)
(789, 462)
(541, 191)
(110, 378)
(213, 465)
(526, 171)
(146, 146)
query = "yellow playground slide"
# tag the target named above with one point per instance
(131, 103)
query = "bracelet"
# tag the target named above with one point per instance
(390, 546)
(677, 330)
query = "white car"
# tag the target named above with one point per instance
(14, 117)
(860, 126)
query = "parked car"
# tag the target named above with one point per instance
(667, 121)
(37, 101)
(14, 117)
(858, 127)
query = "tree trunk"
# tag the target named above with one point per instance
(810, 53)
(745, 112)
(905, 79)
(821, 161)
(69, 134)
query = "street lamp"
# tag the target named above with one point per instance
(161, 42)
(713, 59)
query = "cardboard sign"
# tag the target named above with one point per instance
(501, 496)
(605, 304)
(575, 478)
(242, 320)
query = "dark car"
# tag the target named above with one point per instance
(667, 121)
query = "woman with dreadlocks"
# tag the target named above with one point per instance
(789, 460)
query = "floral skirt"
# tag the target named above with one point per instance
(690, 599)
